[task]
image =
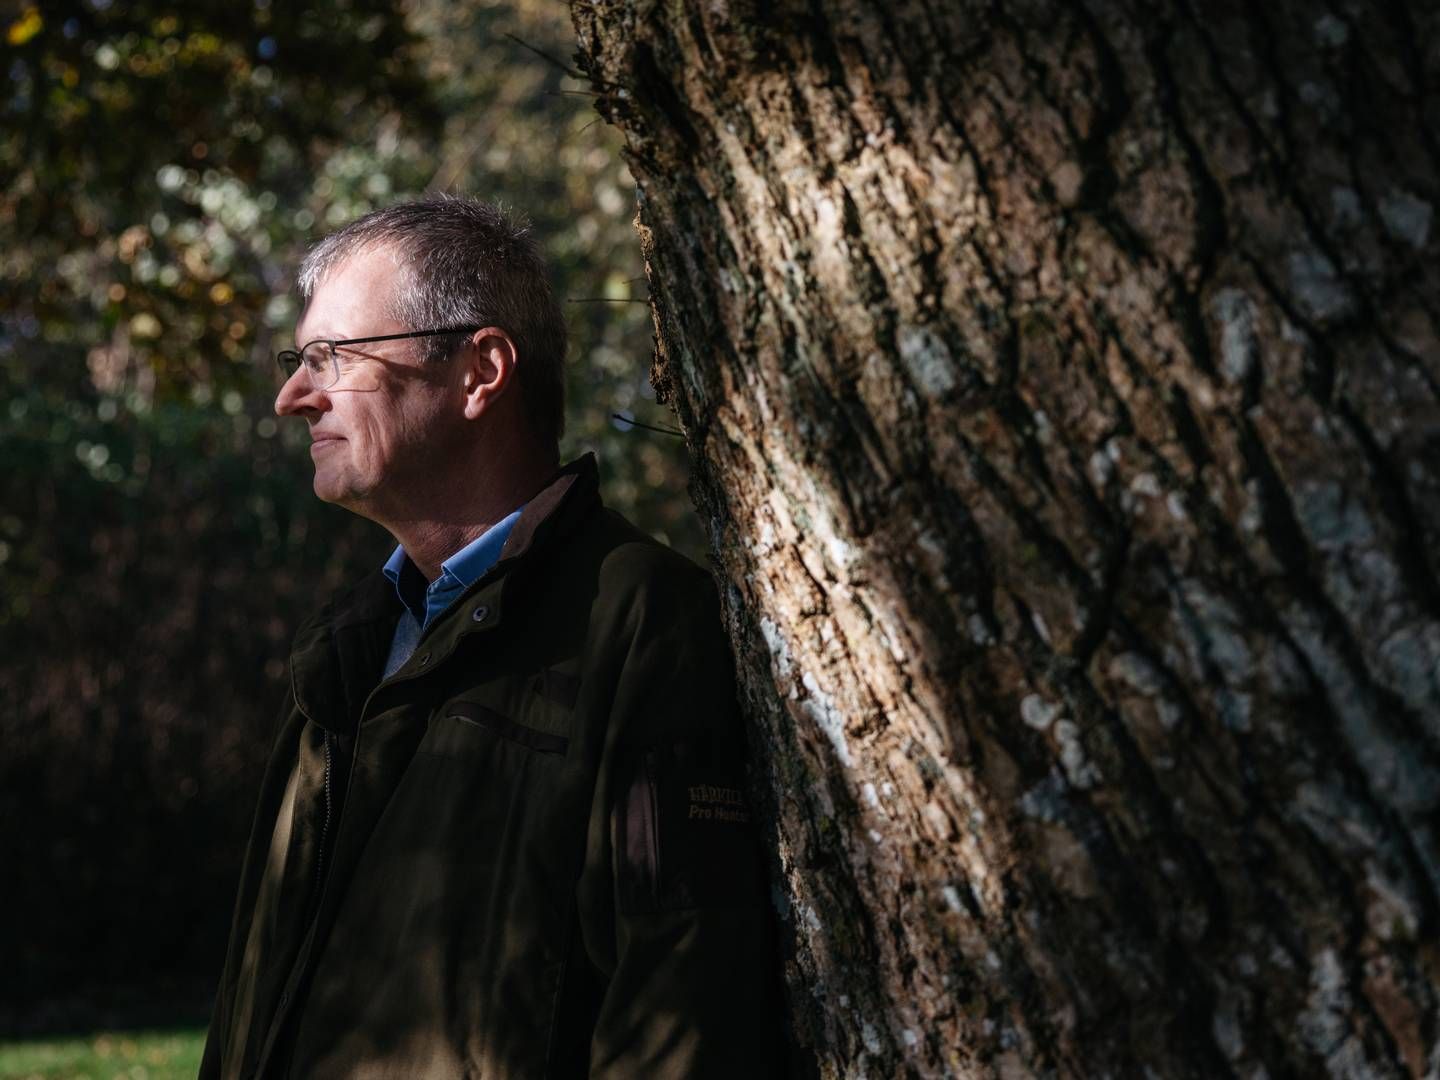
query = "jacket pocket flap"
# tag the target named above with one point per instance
(541, 741)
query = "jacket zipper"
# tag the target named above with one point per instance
(317, 892)
(329, 808)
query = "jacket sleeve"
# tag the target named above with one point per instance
(674, 907)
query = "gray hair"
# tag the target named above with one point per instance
(465, 261)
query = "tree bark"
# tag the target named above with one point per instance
(1061, 385)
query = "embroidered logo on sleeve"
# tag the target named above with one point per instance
(683, 832)
(710, 802)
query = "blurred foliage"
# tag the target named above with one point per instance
(163, 170)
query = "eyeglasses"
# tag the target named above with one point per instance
(323, 366)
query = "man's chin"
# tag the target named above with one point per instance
(332, 490)
(336, 492)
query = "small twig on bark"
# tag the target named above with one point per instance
(566, 68)
(647, 427)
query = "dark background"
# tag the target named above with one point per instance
(163, 169)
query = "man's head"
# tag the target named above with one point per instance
(405, 413)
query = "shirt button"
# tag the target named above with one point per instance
(480, 614)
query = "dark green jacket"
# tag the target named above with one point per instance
(524, 854)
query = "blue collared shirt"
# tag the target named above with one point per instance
(424, 603)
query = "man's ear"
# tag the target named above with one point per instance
(489, 362)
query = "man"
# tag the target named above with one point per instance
(501, 833)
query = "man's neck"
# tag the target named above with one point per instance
(429, 538)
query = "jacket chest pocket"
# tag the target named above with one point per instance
(460, 726)
(476, 767)
(523, 716)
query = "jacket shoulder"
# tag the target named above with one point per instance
(632, 559)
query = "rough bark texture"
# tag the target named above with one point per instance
(1061, 382)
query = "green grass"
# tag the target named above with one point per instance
(127, 1055)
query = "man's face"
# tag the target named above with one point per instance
(379, 436)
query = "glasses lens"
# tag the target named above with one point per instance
(288, 360)
(320, 365)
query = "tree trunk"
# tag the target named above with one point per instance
(1061, 383)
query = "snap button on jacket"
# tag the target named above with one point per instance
(527, 853)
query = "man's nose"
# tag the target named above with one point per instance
(298, 395)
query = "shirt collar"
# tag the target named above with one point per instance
(457, 573)
(410, 584)
(469, 564)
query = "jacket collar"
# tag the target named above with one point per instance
(333, 651)
(568, 498)
(338, 654)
